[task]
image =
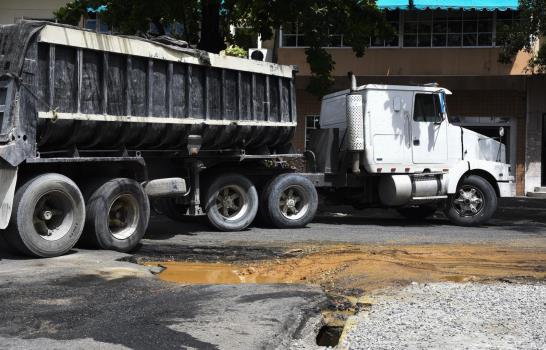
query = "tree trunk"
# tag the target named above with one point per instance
(211, 37)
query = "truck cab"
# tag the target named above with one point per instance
(398, 143)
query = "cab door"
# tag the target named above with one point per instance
(429, 129)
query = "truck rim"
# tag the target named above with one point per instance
(469, 202)
(294, 202)
(53, 215)
(123, 216)
(232, 202)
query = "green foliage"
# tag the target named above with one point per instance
(246, 38)
(72, 12)
(206, 24)
(356, 20)
(236, 51)
(321, 64)
(525, 35)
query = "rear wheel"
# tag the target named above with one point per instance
(417, 212)
(117, 215)
(289, 201)
(231, 202)
(474, 203)
(48, 216)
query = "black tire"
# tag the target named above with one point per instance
(289, 201)
(118, 213)
(47, 217)
(231, 202)
(417, 212)
(459, 207)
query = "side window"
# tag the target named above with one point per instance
(427, 108)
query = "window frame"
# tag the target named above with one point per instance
(447, 20)
(316, 126)
(438, 110)
(402, 19)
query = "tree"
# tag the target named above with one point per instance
(525, 34)
(356, 20)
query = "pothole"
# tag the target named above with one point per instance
(329, 335)
(347, 272)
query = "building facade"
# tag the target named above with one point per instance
(456, 46)
(13, 10)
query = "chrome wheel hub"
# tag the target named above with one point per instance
(469, 201)
(231, 202)
(293, 202)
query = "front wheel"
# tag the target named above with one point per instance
(473, 204)
(231, 202)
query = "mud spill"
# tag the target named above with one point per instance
(348, 274)
(343, 267)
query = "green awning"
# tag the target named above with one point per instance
(489, 5)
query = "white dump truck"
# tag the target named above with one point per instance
(393, 146)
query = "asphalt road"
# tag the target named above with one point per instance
(97, 299)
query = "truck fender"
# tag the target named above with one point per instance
(455, 174)
(8, 179)
(498, 171)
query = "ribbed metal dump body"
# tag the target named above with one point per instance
(107, 92)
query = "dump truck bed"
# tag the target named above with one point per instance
(95, 91)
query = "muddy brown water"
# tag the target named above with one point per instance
(349, 273)
(370, 267)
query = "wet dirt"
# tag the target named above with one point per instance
(350, 273)
(344, 267)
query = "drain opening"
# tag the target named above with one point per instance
(329, 335)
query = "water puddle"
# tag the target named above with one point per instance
(348, 273)
(346, 267)
(213, 273)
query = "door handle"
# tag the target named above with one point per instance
(416, 142)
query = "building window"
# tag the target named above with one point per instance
(504, 23)
(393, 17)
(292, 35)
(95, 24)
(312, 122)
(427, 28)
(449, 28)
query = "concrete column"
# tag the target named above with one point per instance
(536, 107)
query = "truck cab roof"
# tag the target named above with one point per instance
(391, 88)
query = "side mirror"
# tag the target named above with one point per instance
(501, 131)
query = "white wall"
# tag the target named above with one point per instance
(536, 107)
(38, 9)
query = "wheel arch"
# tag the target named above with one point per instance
(483, 174)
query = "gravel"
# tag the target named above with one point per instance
(453, 316)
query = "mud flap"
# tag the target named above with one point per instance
(8, 178)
